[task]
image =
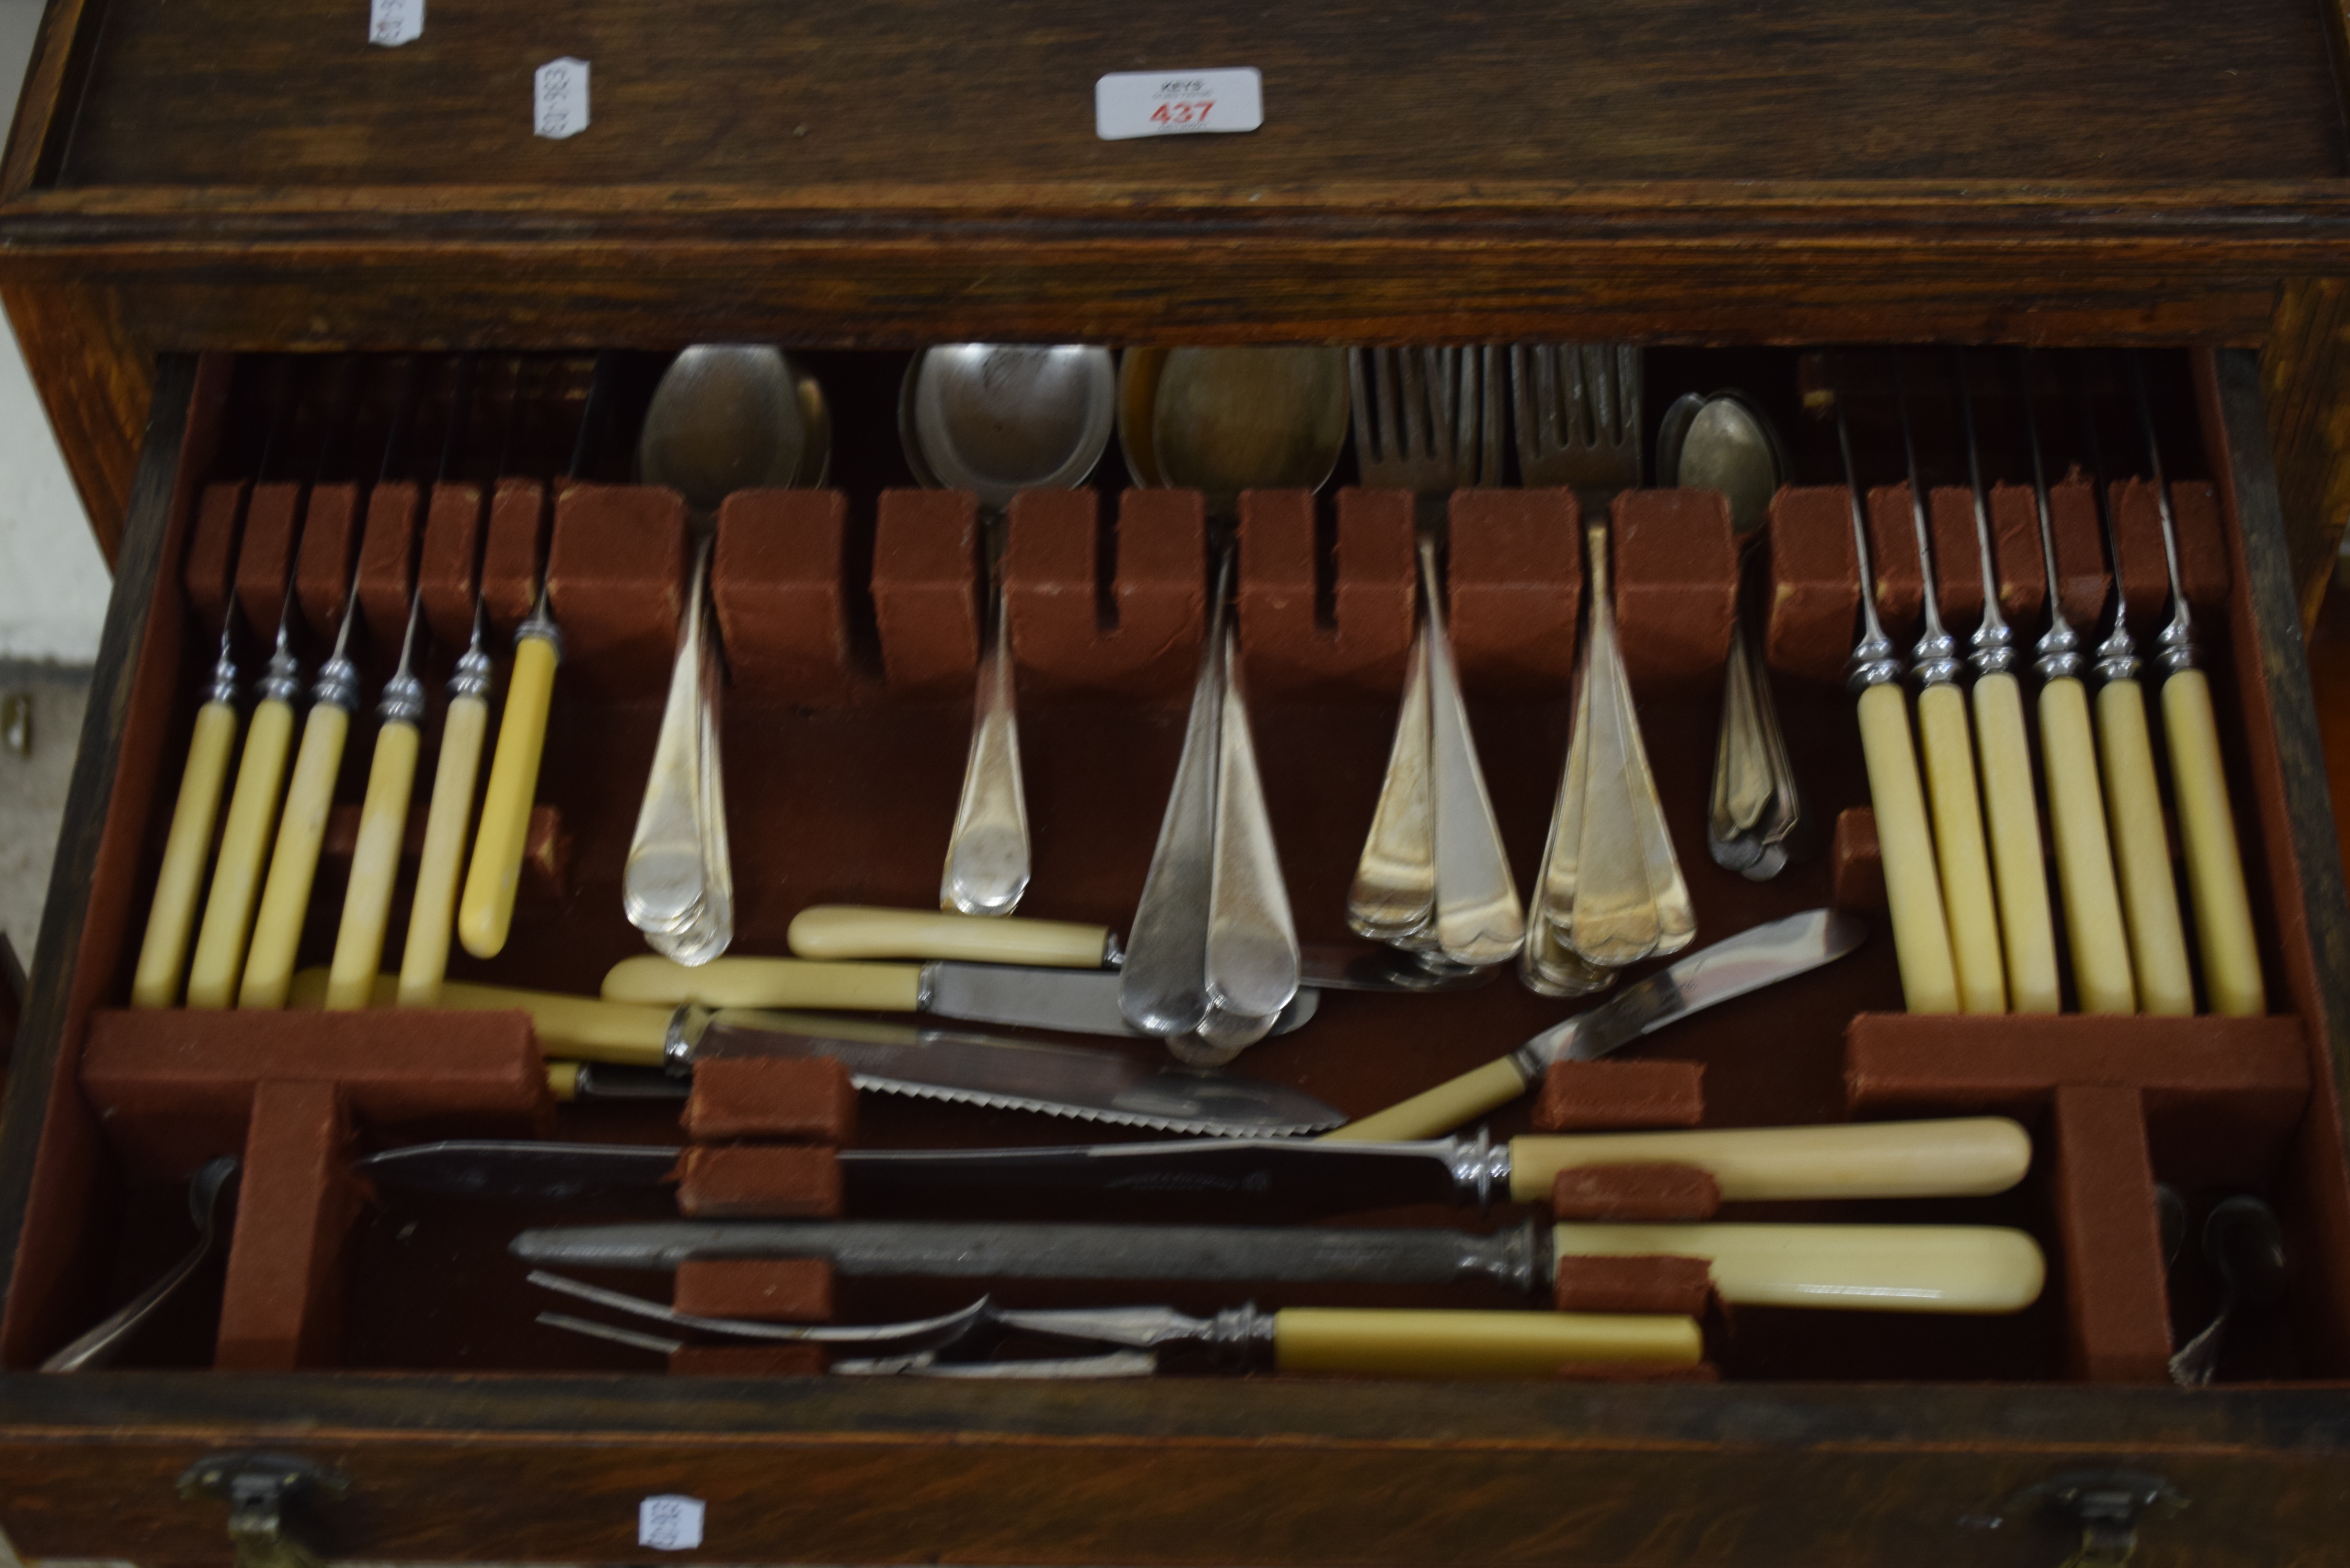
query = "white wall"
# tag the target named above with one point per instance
(53, 582)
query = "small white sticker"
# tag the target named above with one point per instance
(561, 98)
(669, 1524)
(392, 22)
(1128, 104)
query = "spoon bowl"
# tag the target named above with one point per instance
(1227, 419)
(729, 417)
(996, 418)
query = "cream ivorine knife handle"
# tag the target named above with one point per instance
(375, 865)
(1399, 1343)
(1921, 936)
(1960, 855)
(485, 911)
(864, 932)
(1870, 1268)
(425, 958)
(767, 982)
(171, 921)
(293, 864)
(2142, 853)
(1438, 1110)
(1961, 1156)
(244, 855)
(583, 1028)
(2027, 930)
(2215, 865)
(2094, 928)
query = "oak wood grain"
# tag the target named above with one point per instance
(865, 97)
(2305, 381)
(95, 383)
(1185, 1472)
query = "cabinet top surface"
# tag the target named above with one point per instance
(934, 96)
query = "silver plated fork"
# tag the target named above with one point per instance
(1578, 409)
(1434, 877)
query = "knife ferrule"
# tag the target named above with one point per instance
(1480, 1166)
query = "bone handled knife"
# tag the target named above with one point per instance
(1747, 962)
(1075, 1002)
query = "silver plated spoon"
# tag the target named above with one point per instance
(996, 418)
(726, 417)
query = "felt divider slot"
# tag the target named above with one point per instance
(289, 1093)
(446, 571)
(331, 524)
(777, 580)
(1144, 642)
(615, 576)
(1514, 589)
(209, 574)
(926, 589)
(1815, 599)
(1295, 643)
(1676, 569)
(386, 574)
(510, 554)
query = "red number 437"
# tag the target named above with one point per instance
(1182, 113)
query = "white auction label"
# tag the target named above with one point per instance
(392, 22)
(559, 100)
(671, 1524)
(1128, 104)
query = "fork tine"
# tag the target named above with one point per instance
(1489, 415)
(1628, 395)
(1367, 428)
(1543, 366)
(1411, 390)
(1464, 382)
(1523, 410)
(1584, 388)
(1441, 367)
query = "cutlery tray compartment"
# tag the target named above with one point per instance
(849, 616)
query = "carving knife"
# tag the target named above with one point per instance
(1965, 1156)
(1753, 959)
(1073, 1001)
(1091, 1083)
(1885, 1268)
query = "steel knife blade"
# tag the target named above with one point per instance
(1099, 1084)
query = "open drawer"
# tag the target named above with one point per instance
(387, 1338)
